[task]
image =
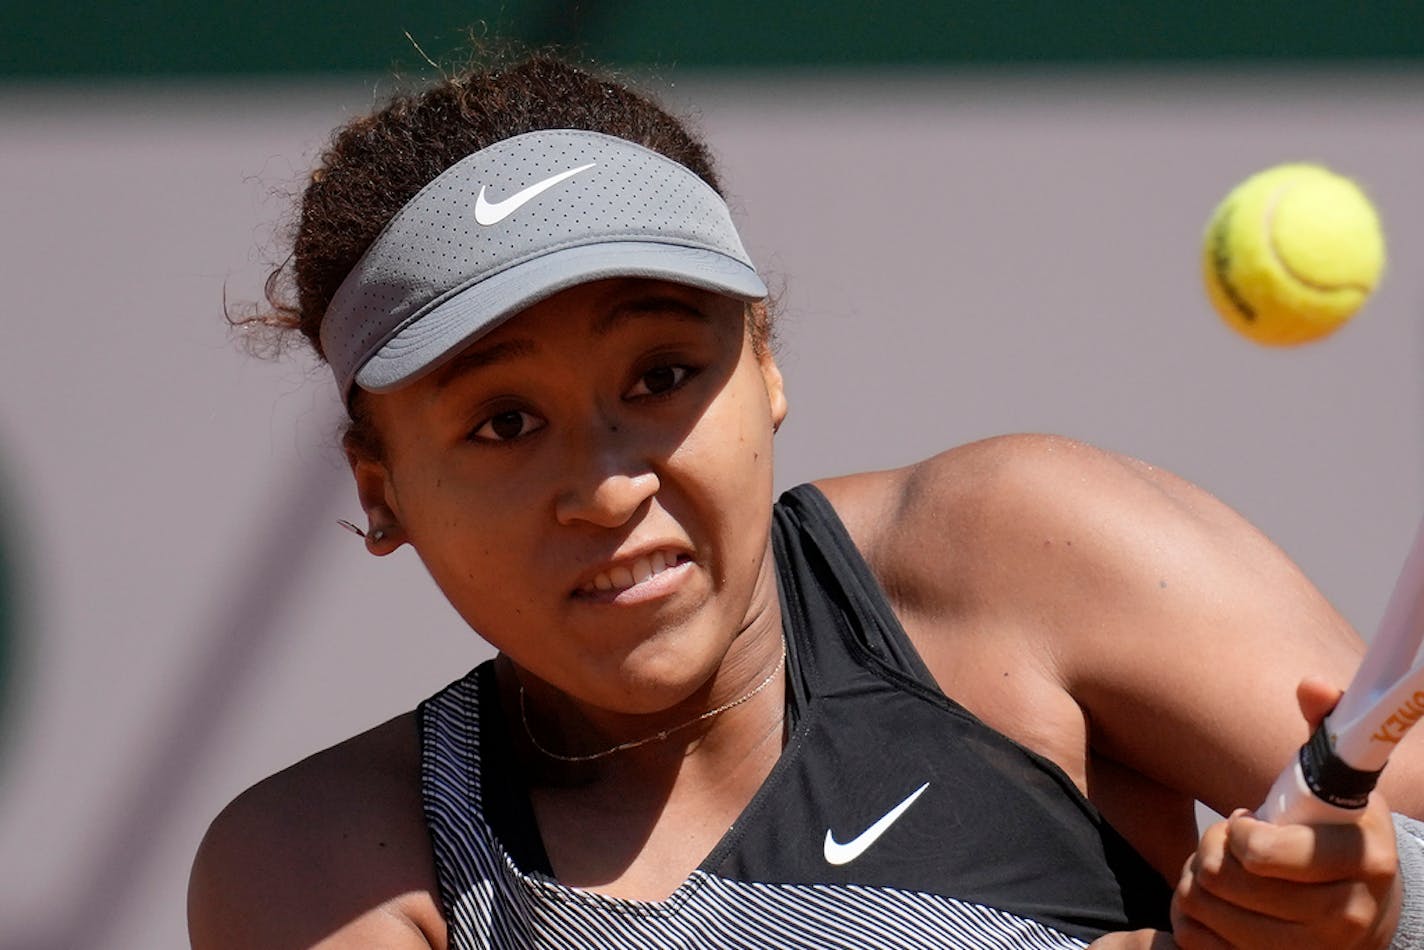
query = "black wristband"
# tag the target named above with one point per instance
(1332, 781)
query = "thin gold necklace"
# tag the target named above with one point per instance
(655, 737)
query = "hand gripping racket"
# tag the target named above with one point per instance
(1332, 777)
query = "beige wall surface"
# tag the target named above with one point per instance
(957, 256)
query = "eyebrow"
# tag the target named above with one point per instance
(660, 306)
(475, 358)
(636, 308)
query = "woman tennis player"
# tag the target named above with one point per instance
(967, 703)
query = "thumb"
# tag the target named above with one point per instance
(1316, 697)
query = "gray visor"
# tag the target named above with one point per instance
(511, 225)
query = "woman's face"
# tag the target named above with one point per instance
(590, 485)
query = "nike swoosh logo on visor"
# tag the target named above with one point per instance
(490, 213)
(837, 853)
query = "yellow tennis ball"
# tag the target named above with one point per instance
(1292, 253)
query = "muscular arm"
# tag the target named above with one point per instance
(1177, 630)
(330, 853)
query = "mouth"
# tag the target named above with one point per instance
(639, 570)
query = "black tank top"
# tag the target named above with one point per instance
(894, 817)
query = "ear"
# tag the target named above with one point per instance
(775, 388)
(374, 489)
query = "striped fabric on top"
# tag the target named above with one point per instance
(491, 903)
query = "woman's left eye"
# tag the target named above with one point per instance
(659, 380)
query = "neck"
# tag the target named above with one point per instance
(567, 741)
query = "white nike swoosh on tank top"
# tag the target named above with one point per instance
(837, 853)
(490, 213)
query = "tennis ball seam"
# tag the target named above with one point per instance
(1269, 222)
(1255, 278)
(1221, 261)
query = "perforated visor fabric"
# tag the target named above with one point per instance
(559, 208)
(442, 332)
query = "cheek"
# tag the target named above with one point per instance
(731, 443)
(755, 430)
(727, 461)
(471, 541)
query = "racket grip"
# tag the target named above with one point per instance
(1318, 788)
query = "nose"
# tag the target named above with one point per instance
(604, 485)
(609, 502)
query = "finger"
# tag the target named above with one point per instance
(1227, 884)
(1214, 878)
(1191, 934)
(1362, 851)
(1190, 905)
(1316, 697)
(1201, 919)
(1204, 918)
(1321, 915)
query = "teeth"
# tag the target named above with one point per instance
(622, 577)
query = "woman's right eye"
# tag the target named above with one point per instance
(505, 426)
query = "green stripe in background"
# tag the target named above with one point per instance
(153, 38)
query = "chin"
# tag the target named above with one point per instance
(657, 675)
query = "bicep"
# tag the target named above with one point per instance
(1188, 669)
(1179, 630)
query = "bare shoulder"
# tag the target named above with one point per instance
(330, 852)
(965, 484)
(998, 496)
(1006, 545)
(1137, 594)
(1031, 507)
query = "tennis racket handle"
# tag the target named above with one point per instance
(1318, 788)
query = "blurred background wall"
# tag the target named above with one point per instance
(981, 217)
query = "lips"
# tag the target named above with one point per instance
(633, 571)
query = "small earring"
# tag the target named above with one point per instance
(375, 537)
